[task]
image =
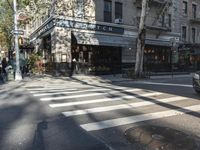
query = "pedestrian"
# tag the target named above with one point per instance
(4, 65)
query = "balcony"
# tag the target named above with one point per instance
(158, 25)
(161, 28)
(159, 1)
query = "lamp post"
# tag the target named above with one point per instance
(18, 75)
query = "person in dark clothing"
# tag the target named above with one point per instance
(4, 65)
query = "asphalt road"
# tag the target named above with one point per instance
(65, 114)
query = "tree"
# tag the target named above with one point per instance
(141, 41)
(6, 24)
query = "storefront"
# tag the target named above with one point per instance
(157, 56)
(99, 53)
(189, 57)
(70, 46)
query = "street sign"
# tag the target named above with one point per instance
(18, 32)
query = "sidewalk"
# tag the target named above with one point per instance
(171, 76)
(98, 79)
(119, 78)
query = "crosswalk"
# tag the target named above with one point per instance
(107, 103)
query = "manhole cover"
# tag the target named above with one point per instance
(161, 138)
(157, 137)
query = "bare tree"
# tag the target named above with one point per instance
(141, 40)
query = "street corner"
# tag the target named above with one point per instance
(161, 138)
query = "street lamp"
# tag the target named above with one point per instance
(18, 75)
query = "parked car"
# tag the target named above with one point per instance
(196, 82)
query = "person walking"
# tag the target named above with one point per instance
(3, 73)
(4, 65)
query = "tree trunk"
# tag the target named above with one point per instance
(141, 41)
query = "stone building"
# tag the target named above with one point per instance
(189, 50)
(99, 36)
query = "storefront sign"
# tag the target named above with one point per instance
(44, 29)
(88, 26)
(77, 25)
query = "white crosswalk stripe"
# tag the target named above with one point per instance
(51, 91)
(71, 92)
(81, 101)
(103, 100)
(123, 106)
(86, 95)
(138, 118)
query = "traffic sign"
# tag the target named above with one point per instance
(18, 32)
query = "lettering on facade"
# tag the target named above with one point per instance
(47, 27)
(88, 26)
(77, 25)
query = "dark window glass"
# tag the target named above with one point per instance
(194, 10)
(193, 35)
(107, 11)
(169, 20)
(163, 20)
(185, 9)
(184, 33)
(118, 10)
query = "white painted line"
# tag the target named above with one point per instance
(86, 95)
(53, 91)
(168, 84)
(41, 90)
(61, 87)
(102, 100)
(80, 91)
(122, 106)
(138, 118)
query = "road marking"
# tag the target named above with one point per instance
(86, 95)
(61, 87)
(103, 100)
(51, 91)
(80, 91)
(138, 118)
(168, 84)
(122, 106)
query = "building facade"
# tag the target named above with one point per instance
(189, 50)
(99, 36)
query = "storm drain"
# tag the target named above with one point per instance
(161, 138)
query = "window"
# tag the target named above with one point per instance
(184, 33)
(118, 10)
(79, 11)
(193, 35)
(194, 10)
(163, 21)
(107, 11)
(169, 20)
(185, 10)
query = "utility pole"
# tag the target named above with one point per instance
(18, 75)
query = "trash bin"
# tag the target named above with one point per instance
(10, 74)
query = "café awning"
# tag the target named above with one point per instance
(103, 40)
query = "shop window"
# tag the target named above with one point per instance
(107, 11)
(118, 10)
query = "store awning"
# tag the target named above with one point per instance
(157, 42)
(104, 40)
